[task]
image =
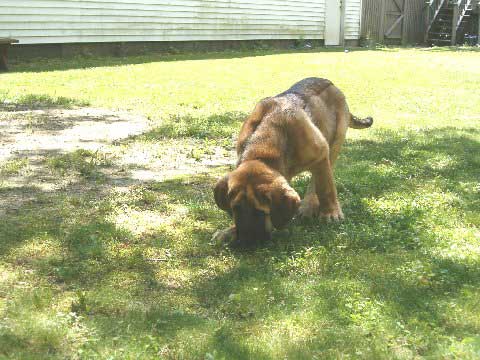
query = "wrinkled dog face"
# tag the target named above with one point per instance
(258, 200)
(251, 213)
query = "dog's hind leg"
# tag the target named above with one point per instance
(335, 148)
(342, 118)
(316, 157)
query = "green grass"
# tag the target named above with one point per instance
(117, 273)
(84, 162)
(13, 167)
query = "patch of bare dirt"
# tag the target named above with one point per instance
(26, 132)
(31, 139)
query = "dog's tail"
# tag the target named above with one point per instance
(358, 123)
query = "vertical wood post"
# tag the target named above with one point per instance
(478, 18)
(427, 21)
(343, 7)
(383, 14)
(3, 57)
(405, 21)
(456, 15)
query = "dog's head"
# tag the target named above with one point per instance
(258, 199)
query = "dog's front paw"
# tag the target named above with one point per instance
(226, 236)
(308, 208)
(333, 214)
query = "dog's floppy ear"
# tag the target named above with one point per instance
(221, 194)
(285, 203)
(251, 123)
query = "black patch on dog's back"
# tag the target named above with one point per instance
(308, 85)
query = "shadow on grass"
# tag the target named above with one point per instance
(321, 289)
(447, 157)
(38, 101)
(81, 62)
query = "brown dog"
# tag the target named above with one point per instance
(300, 129)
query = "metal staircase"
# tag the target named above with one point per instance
(447, 21)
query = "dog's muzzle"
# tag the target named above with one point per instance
(253, 227)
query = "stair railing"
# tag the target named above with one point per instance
(433, 8)
(463, 7)
(460, 8)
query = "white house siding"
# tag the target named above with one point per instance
(74, 21)
(353, 13)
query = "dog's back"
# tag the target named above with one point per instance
(307, 87)
(321, 103)
(324, 103)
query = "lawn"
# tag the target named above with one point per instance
(105, 252)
